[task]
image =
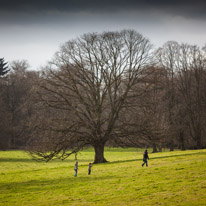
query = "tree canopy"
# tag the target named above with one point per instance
(87, 86)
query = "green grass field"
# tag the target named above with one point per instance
(172, 178)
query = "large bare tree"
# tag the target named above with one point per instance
(83, 92)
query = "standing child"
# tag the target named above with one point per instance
(75, 169)
(89, 168)
(145, 157)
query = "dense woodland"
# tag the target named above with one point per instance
(105, 89)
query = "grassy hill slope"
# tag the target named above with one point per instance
(172, 178)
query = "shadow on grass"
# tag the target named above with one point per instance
(153, 158)
(65, 184)
(34, 161)
(27, 160)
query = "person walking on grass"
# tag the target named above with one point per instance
(75, 169)
(89, 168)
(145, 157)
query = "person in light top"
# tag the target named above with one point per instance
(89, 168)
(75, 169)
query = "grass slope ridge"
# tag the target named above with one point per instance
(172, 178)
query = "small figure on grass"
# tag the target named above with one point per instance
(145, 157)
(89, 168)
(75, 169)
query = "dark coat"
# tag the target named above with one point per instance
(145, 155)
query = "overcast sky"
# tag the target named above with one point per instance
(34, 30)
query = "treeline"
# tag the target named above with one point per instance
(15, 110)
(86, 97)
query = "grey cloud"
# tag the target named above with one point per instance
(188, 8)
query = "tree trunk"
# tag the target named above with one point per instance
(171, 145)
(199, 142)
(182, 144)
(154, 146)
(99, 153)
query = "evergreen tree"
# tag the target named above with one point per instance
(3, 67)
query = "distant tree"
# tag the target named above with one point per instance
(192, 76)
(14, 110)
(82, 96)
(166, 58)
(153, 110)
(185, 93)
(3, 67)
